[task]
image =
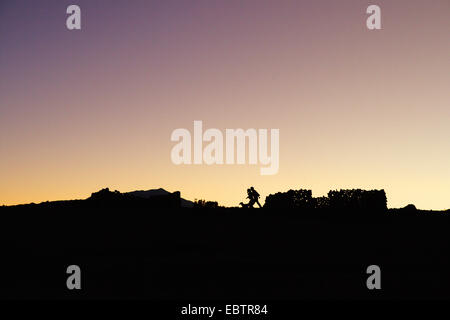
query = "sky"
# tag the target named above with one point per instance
(86, 109)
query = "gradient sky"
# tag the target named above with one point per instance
(83, 110)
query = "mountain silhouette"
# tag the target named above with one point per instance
(147, 194)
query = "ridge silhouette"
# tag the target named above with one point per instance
(132, 246)
(337, 201)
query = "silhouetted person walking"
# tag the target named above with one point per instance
(251, 201)
(255, 196)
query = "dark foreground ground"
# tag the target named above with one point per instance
(190, 254)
